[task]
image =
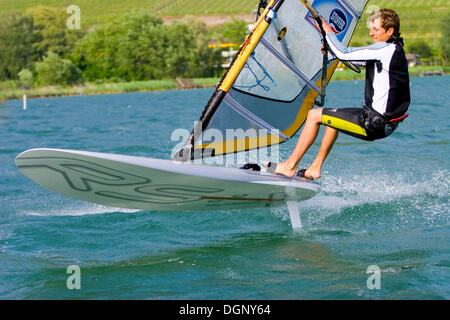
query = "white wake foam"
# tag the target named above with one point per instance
(76, 210)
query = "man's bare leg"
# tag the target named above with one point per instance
(328, 140)
(306, 139)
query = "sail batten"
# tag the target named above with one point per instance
(290, 65)
(253, 118)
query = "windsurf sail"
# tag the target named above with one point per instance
(274, 80)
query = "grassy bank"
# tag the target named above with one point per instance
(11, 90)
(15, 92)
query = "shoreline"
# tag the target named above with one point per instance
(91, 88)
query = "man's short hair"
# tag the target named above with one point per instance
(389, 19)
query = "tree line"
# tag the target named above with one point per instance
(38, 49)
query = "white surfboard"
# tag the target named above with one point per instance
(154, 184)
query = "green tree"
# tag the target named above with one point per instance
(18, 40)
(207, 59)
(142, 53)
(141, 47)
(55, 70)
(421, 48)
(96, 54)
(445, 40)
(56, 37)
(26, 77)
(131, 49)
(180, 51)
(235, 31)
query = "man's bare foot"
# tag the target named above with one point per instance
(312, 173)
(284, 169)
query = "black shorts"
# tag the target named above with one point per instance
(362, 123)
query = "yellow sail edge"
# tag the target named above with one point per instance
(249, 45)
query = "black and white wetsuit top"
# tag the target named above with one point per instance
(387, 78)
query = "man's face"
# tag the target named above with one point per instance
(378, 33)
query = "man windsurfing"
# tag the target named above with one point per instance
(387, 96)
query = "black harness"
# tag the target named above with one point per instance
(378, 125)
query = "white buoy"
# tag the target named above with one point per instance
(24, 102)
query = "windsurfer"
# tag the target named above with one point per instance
(387, 95)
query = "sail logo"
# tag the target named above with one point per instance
(338, 16)
(338, 20)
